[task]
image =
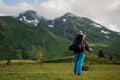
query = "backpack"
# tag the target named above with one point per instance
(72, 47)
(76, 46)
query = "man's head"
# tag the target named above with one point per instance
(81, 35)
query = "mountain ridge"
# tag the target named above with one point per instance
(68, 25)
(54, 33)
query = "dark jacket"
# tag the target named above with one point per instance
(80, 43)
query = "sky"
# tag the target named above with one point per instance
(104, 12)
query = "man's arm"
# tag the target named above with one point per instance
(87, 47)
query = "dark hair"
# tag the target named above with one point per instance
(79, 38)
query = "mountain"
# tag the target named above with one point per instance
(19, 40)
(31, 17)
(68, 25)
(99, 36)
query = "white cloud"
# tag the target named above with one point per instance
(114, 27)
(105, 12)
(6, 10)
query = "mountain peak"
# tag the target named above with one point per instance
(30, 12)
(69, 14)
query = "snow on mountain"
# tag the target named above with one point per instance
(70, 14)
(20, 19)
(51, 26)
(118, 33)
(107, 37)
(96, 25)
(53, 22)
(35, 22)
(105, 32)
(68, 25)
(64, 20)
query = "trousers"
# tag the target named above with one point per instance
(78, 62)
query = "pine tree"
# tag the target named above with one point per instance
(110, 57)
(101, 54)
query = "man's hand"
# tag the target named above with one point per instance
(90, 49)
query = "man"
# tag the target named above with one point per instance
(81, 45)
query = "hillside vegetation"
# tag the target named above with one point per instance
(23, 41)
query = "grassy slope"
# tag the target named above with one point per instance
(24, 41)
(108, 48)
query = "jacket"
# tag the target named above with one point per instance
(81, 44)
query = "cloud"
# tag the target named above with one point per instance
(6, 10)
(114, 27)
(105, 12)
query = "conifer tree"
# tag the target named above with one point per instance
(110, 57)
(101, 54)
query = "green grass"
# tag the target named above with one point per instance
(56, 71)
(89, 58)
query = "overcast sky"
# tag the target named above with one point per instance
(105, 12)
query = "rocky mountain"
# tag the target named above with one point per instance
(31, 17)
(69, 25)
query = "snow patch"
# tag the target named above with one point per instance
(96, 25)
(105, 32)
(64, 20)
(53, 22)
(118, 33)
(107, 37)
(70, 15)
(51, 26)
(20, 19)
(35, 22)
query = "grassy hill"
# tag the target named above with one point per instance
(22, 41)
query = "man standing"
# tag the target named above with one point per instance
(80, 45)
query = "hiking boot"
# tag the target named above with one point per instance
(78, 74)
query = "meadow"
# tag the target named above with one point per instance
(30, 70)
